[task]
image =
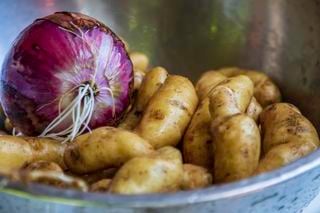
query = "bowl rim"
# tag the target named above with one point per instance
(213, 193)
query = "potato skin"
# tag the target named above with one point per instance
(151, 83)
(43, 166)
(139, 60)
(170, 154)
(231, 96)
(254, 109)
(48, 173)
(93, 177)
(284, 154)
(101, 185)
(236, 148)
(197, 141)
(195, 177)
(154, 79)
(168, 113)
(265, 90)
(16, 152)
(287, 136)
(153, 174)
(138, 78)
(282, 123)
(105, 147)
(53, 178)
(207, 82)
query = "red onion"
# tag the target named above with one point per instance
(66, 73)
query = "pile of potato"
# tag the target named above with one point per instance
(230, 126)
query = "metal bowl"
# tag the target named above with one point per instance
(279, 37)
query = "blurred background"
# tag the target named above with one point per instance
(188, 37)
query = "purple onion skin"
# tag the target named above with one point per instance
(55, 54)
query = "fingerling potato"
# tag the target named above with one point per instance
(168, 113)
(101, 185)
(138, 78)
(207, 82)
(195, 177)
(53, 178)
(43, 166)
(236, 148)
(282, 123)
(152, 174)
(105, 147)
(152, 82)
(231, 96)
(139, 60)
(197, 141)
(254, 109)
(287, 136)
(284, 154)
(93, 177)
(16, 152)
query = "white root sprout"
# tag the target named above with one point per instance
(80, 109)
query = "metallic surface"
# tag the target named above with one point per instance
(280, 37)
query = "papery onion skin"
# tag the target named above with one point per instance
(56, 54)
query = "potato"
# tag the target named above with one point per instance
(150, 85)
(231, 96)
(168, 113)
(195, 177)
(131, 120)
(93, 177)
(101, 185)
(236, 148)
(282, 123)
(53, 178)
(207, 82)
(254, 109)
(105, 147)
(16, 152)
(284, 154)
(138, 78)
(265, 91)
(154, 79)
(43, 166)
(48, 173)
(153, 174)
(197, 141)
(287, 136)
(169, 153)
(139, 60)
